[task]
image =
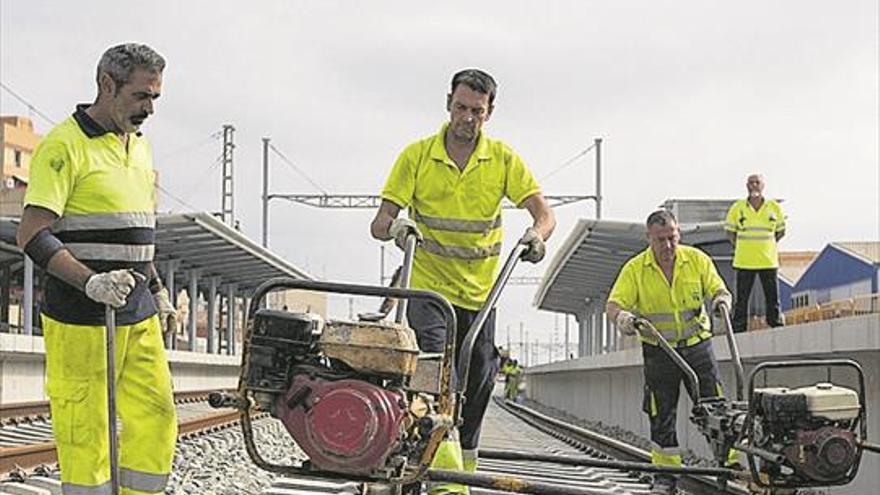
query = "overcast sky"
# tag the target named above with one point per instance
(689, 96)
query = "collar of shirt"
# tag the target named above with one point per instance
(438, 148)
(90, 126)
(681, 257)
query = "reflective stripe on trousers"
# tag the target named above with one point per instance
(128, 479)
(76, 386)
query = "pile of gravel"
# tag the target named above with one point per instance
(217, 464)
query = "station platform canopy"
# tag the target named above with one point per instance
(586, 266)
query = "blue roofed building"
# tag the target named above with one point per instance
(843, 270)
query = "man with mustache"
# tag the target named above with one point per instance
(754, 226)
(453, 183)
(89, 223)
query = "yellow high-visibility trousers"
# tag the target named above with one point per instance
(76, 368)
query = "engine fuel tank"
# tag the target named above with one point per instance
(379, 348)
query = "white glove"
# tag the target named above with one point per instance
(626, 322)
(166, 310)
(402, 227)
(112, 288)
(724, 298)
(536, 245)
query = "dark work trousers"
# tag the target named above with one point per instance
(426, 318)
(662, 384)
(745, 279)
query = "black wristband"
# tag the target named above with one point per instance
(42, 247)
(156, 285)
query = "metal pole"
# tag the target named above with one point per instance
(193, 308)
(567, 337)
(28, 323)
(228, 200)
(171, 336)
(597, 142)
(522, 352)
(265, 192)
(212, 312)
(230, 319)
(110, 323)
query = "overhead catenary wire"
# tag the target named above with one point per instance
(567, 163)
(202, 180)
(28, 104)
(187, 148)
(296, 169)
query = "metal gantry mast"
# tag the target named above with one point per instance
(227, 207)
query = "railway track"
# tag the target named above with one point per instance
(26, 429)
(512, 438)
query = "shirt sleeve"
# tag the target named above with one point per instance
(625, 290)
(51, 177)
(780, 217)
(732, 222)
(521, 184)
(712, 281)
(401, 183)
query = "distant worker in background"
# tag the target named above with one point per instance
(754, 226)
(89, 222)
(453, 183)
(511, 371)
(667, 284)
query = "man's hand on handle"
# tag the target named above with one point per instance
(721, 299)
(537, 248)
(402, 227)
(626, 323)
(112, 288)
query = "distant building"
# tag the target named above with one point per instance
(792, 265)
(842, 270)
(18, 142)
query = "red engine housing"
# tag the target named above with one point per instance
(346, 426)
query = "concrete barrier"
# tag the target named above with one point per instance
(609, 387)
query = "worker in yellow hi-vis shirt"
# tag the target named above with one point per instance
(453, 183)
(755, 225)
(667, 284)
(89, 222)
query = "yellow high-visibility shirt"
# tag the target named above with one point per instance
(458, 212)
(755, 233)
(676, 309)
(104, 194)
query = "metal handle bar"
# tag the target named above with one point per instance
(470, 338)
(734, 352)
(406, 273)
(643, 325)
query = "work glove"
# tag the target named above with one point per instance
(167, 311)
(626, 323)
(112, 288)
(724, 298)
(537, 248)
(402, 227)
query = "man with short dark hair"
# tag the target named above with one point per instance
(453, 183)
(754, 226)
(89, 222)
(667, 284)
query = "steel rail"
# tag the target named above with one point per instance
(30, 456)
(693, 483)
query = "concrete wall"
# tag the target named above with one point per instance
(23, 369)
(609, 387)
